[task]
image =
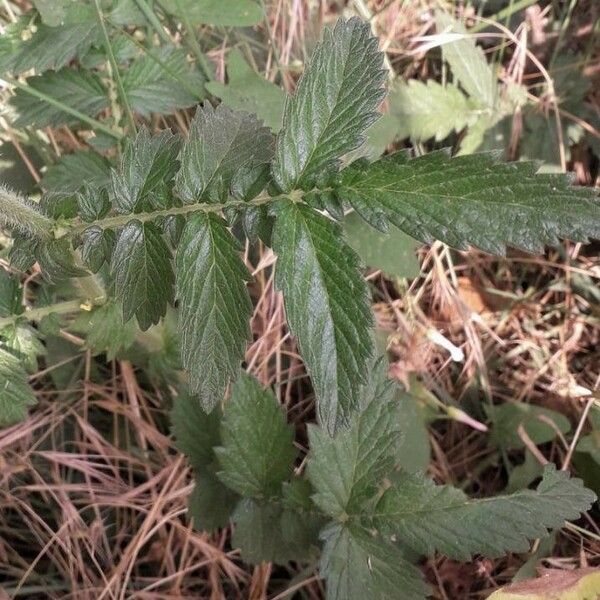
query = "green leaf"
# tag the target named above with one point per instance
(52, 12)
(162, 83)
(269, 532)
(357, 565)
(247, 91)
(258, 450)
(80, 90)
(92, 203)
(326, 302)
(10, 295)
(223, 148)
(54, 47)
(16, 394)
(471, 200)
(346, 470)
(141, 267)
(233, 13)
(467, 62)
(73, 171)
(211, 503)
(97, 246)
(22, 341)
(536, 420)
(105, 330)
(336, 100)
(428, 517)
(393, 252)
(430, 110)
(56, 260)
(147, 167)
(414, 451)
(215, 307)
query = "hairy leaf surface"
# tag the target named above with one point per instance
(471, 200)
(428, 517)
(336, 100)
(326, 302)
(357, 565)
(143, 274)
(257, 451)
(215, 307)
(224, 149)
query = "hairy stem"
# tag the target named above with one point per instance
(19, 213)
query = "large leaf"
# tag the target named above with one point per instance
(224, 150)
(430, 110)
(247, 90)
(215, 308)
(258, 450)
(162, 82)
(16, 394)
(73, 171)
(79, 90)
(326, 302)
(232, 13)
(147, 166)
(357, 565)
(428, 517)
(346, 470)
(335, 102)
(467, 61)
(471, 200)
(141, 267)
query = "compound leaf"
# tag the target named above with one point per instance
(258, 450)
(215, 307)
(357, 565)
(428, 517)
(346, 470)
(246, 90)
(162, 83)
(336, 100)
(77, 89)
(326, 302)
(471, 200)
(16, 394)
(430, 110)
(141, 267)
(223, 149)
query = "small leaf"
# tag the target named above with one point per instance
(97, 247)
(162, 83)
(215, 307)
(73, 171)
(147, 166)
(10, 295)
(56, 260)
(16, 394)
(233, 13)
(430, 110)
(105, 330)
(92, 203)
(141, 266)
(467, 62)
(211, 503)
(257, 452)
(223, 146)
(22, 341)
(428, 517)
(346, 470)
(336, 100)
(247, 91)
(357, 565)
(471, 200)
(80, 90)
(326, 302)
(393, 252)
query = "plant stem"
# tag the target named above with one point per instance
(153, 20)
(191, 37)
(93, 123)
(115, 67)
(37, 314)
(22, 214)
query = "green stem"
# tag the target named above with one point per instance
(115, 67)
(505, 13)
(93, 123)
(22, 214)
(153, 20)
(37, 314)
(119, 220)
